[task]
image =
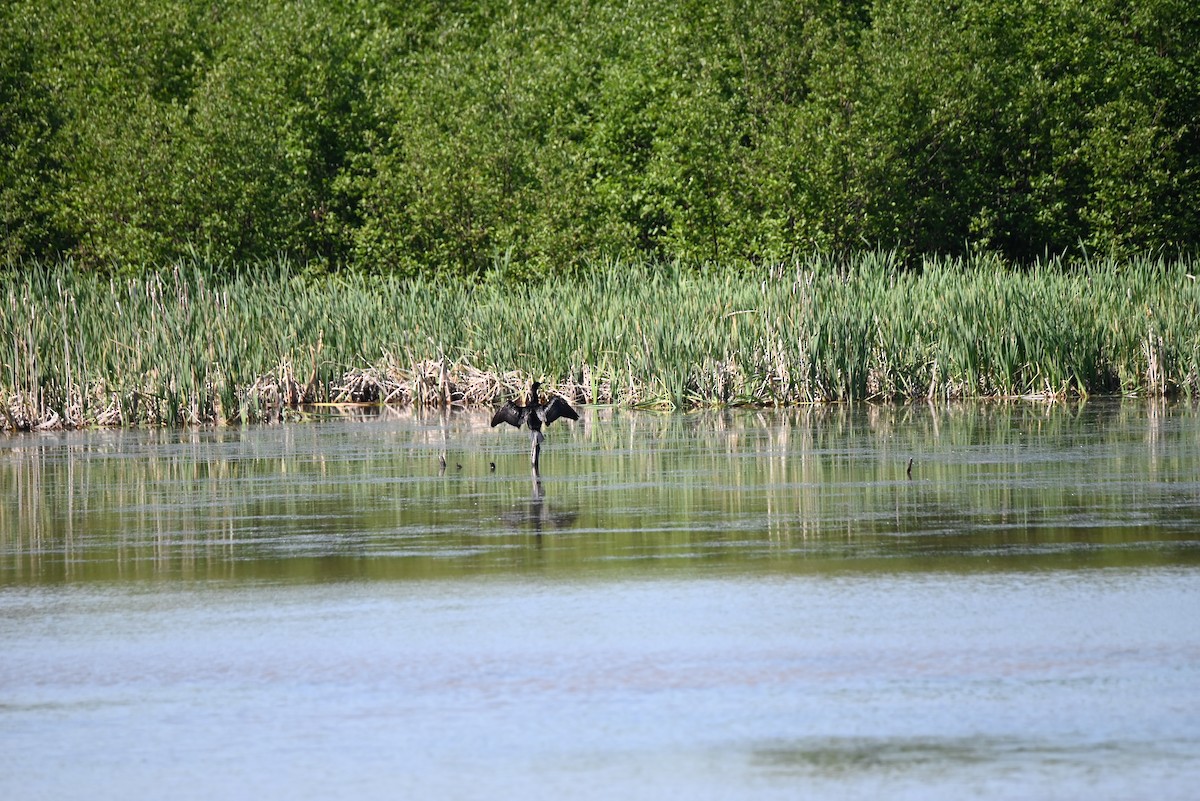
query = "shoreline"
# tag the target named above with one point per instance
(281, 397)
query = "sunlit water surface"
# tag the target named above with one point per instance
(719, 605)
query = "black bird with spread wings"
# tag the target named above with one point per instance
(533, 415)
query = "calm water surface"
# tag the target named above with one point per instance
(719, 605)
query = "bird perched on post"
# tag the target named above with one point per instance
(533, 415)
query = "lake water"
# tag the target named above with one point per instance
(717, 605)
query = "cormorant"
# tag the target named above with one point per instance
(533, 415)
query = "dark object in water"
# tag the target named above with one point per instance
(909, 470)
(533, 415)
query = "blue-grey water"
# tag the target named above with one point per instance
(710, 606)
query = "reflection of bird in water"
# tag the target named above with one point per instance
(537, 514)
(533, 415)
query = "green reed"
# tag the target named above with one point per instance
(190, 345)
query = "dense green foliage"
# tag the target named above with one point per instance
(412, 137)
(179, 346)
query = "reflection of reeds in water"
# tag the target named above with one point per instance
(1004, 475)
(183, 346)
(797, 486)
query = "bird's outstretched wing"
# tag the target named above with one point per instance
(555, 409)
(508, 413)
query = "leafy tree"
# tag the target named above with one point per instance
(528, 134)
(1016, 126)
(29, 120)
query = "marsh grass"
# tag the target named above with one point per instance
(189, 345)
